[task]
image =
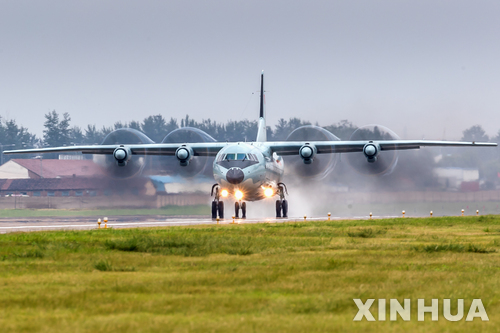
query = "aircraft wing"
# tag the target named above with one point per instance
(168, 149)
(324, 147)
(282, 148)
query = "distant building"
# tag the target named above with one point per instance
(458, 178)
(66, 178)
(49, 168)
(76, 187)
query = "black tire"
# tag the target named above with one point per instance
(284, 208)
(278, 208)
(221, 209)
(236, 209)
(214, 209)
(243, 210)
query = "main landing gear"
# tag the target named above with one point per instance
(282, 203)
(243, 206)
(217, 204)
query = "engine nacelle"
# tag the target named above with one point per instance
(122, 164)
(184, 154)
(307, 152)
(122, 155)
(379, 162)
(323, 163)
(195, 165)
(371, 151)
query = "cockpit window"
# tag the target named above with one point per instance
(238, 157)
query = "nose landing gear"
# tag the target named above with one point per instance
(217, 204)
(282, 203)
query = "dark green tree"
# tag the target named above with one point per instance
(135, 125)
(171, 125)
(155, 127)
(57, 132)
(92, 135)
(76, 136)
(475, 133)
(51, 132)
(343, 129)
(285, 127)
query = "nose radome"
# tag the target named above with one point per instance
(235, 175)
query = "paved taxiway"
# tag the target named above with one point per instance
(86, 223)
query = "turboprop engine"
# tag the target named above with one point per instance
(311, 165)
(122, 164)
(373, 161)
(184, 162)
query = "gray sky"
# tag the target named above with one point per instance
(421, 68)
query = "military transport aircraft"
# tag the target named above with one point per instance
(247, 171)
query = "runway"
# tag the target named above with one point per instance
(8, 225)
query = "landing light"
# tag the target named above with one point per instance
(224, 193)
(268, 192)
(238, 195)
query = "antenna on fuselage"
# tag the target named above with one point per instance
(262, 130)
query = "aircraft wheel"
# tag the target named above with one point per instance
(243, 210)
(284, 207)
(214, 209)
(278, 208)
(236, 209)
(221, 209)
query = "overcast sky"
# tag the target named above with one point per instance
(422, 68)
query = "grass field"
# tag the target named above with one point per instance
(292, 277)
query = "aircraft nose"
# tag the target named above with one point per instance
(235, 175)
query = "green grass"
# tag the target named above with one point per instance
(167, 210)
(279, 277)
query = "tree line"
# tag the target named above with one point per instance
(59, 132)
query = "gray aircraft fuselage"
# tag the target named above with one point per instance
(248, 167)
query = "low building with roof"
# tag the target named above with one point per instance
(66, 177)
(76, 187)
(49, 168)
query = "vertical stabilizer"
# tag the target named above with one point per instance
(262, 130)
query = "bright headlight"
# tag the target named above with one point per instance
(268, 192)
(238, 195)
(224, 193)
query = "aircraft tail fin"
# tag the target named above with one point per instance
(262, 130)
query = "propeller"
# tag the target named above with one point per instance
(122, 164)
(319, 166)
(189, 166)
(372, 161)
